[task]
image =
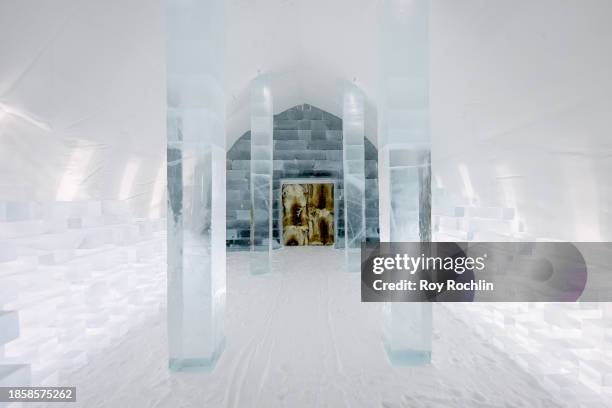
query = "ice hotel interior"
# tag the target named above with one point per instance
(188, 189)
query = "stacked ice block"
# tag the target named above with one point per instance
(11, 374)
(462, 223)
(80, 274)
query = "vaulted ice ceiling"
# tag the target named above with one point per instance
(82, 96)
(309, 47)
(520, 97)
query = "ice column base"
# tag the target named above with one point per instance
(260, 261)
(407, 335)
(198, 364)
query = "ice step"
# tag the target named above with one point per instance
(19, 211)
(115, 207)
(452, 236)
(49, 242)
(491, 225)
(97, 221)
(9, 326)
(15, 375)
(120, 234)
(56, 257)
(18, 266)
(59, 245)
(145, 225)
(596, 374)
(489, 236)
(8, 251)
(9, 230)
(72, 209)
(449, 223)
(147, 228)
(109, 256)
(494, 213)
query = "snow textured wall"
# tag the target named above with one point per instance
(82, 176)
(521, 98)
(82, 106)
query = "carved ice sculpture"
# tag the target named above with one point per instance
(196, 182)
(261, 174)
(354, 175)
(404, 161)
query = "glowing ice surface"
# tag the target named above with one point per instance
(354, 175)
(404, 162)
(262, 119)
(196, 183)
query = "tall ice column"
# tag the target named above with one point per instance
(353, 130)
(404, 161)
(262, 118)
(196, 182)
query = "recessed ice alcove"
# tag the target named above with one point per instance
(308, 148)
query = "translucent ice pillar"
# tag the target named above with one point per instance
(354, 175)
(261, 174)
(404, 161)
(196, 182)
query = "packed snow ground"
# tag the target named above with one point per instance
(300, 337)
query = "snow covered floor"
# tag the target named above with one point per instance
(299, 337)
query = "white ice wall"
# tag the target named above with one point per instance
(82, 176)
(522, 142)
(82, 102)
(521, 103)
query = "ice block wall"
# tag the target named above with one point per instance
(404, 161)
(313, 150)
(11, 375)
(262, 124)
(353, 155)
(196, 182)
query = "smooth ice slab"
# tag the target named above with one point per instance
(9, 326)
(354, 175)
(15, 375)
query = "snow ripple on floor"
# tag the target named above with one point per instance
(300, 337)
